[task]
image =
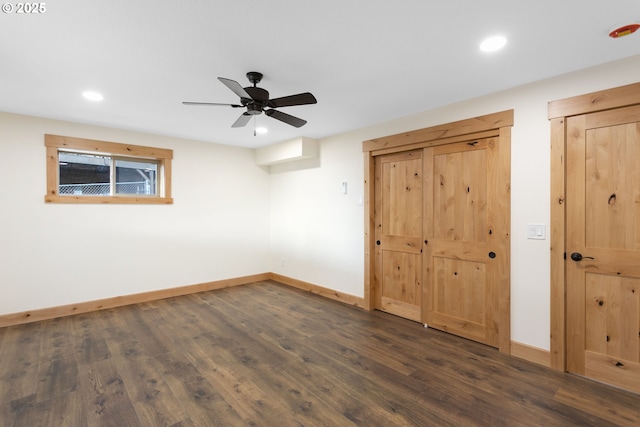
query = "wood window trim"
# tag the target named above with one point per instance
(558, 111)
(490, 125)
(56, 143)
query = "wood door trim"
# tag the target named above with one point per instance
(438, 142)
(596, 101)
(557, 231)
(497, 124)
(558, 111)
(462, 127)
(502, 223)
(369, 230)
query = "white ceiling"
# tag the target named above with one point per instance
(366, 61)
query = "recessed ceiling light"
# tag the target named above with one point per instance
(261, 130)
(493, 43)
(92, 96)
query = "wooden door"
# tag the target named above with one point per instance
(603, 246)
(466, 212)
(397, 286)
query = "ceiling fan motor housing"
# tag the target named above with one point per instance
(260, 98)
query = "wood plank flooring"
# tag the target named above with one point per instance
(269, 355)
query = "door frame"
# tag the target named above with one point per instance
(558, 111)
(490, 125)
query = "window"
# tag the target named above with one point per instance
(88, 171)
(97, 175)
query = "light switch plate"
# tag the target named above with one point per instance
(537, 231)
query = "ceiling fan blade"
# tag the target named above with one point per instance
(211, 103)
(235, 87)
(289, 101)
(242, 120)
(286, 118)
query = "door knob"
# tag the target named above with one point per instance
(378, 242)
(577, 256)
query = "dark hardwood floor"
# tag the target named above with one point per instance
(270, 355)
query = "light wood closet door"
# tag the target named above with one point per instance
(397, 284)
(465, 258)
(603, 246)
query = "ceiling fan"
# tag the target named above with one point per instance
(256, 101)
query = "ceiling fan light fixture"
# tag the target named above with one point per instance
(493, 44)
(261, 130)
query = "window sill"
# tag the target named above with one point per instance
(115, 200)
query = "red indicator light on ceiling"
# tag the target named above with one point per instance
(624, 31)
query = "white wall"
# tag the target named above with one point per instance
(319, 233)
(231, 218)
(56, 254)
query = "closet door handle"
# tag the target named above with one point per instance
(577, 256)
(378, 242)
